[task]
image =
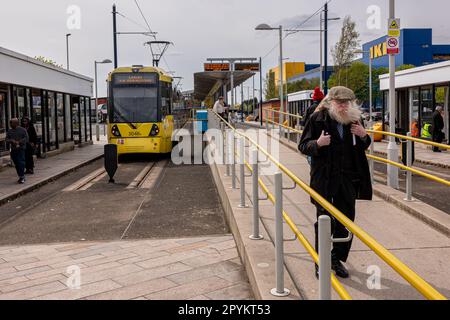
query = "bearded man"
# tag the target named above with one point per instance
(336, 141)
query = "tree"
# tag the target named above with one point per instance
(270, 90)
(344, 51)
(48, 61)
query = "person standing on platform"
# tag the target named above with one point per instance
(31, 145)
(16, 139)
(336, 140)
(317, 99)
(219, 107)
(437, 127)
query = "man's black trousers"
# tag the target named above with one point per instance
(345, 201)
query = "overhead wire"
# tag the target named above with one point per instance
(150, 29)
(298, 26)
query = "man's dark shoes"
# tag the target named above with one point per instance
(339, 268)
(21, 180)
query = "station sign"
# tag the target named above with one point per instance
(217, 67)
(246, 67)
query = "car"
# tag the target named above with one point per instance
(102, 111)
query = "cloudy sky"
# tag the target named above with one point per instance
(199, 29)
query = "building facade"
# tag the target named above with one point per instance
(56, 100)
(418, 92)
(416, 48)
(291, 69)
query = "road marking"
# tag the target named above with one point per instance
(141, 176)
(84, 181)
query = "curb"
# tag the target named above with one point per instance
(47, 180)
(429, 215)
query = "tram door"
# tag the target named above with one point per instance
(3, 124)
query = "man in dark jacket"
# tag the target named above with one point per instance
(31, 145)
(317, 99)
(336, 140)
(438, 126)
(16, 139)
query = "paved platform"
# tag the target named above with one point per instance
(203, 268)
(47, 170)
(419, 246)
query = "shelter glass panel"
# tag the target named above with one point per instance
(60, 116)
(2, 121)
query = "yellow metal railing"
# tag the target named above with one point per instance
(403, 270)
(286, 113)
(302, 239)
(399, 136)
(286, 127)
(382, 160)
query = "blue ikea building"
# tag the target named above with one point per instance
(416, 48)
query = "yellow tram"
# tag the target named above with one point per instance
(140, 116)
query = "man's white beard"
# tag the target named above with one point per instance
(352, 115)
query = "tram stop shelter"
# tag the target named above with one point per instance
(209, 85)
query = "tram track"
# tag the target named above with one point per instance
(150, 179)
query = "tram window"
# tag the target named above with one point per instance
(135, 104)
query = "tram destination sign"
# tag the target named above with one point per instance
(217, 67)
(246, 67)
(133, 78)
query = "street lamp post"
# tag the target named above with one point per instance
(264, 26)
(97, 127)
(67, 48)
(370, 85)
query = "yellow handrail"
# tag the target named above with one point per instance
(431, 143)
(408, 274)
(286, 127)
(406, 168)
(312, 252)
(286, 113)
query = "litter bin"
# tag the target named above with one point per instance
(202, 121)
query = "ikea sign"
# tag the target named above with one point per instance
(378, 51)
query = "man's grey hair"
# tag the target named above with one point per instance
(439, 108)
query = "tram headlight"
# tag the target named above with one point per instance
(155, 131)
(115, 131)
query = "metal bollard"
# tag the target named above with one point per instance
(233, 161)
(242, 171)
(409, 173)
(280, 290)
(228, 138)
(372, 162)
(255, 186)
(222, 136)
(325, 257)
